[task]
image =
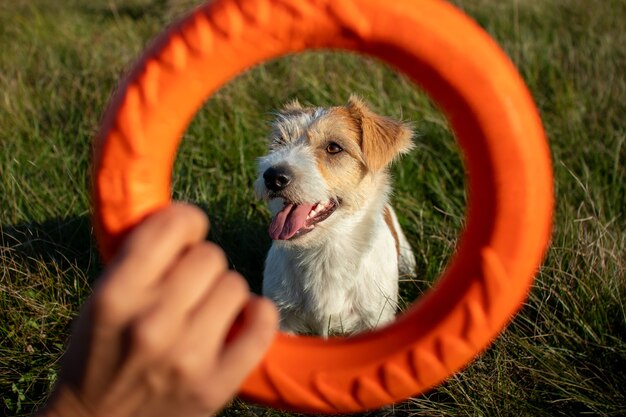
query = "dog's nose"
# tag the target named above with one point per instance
(277, 178)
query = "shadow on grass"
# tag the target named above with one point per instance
(56, 244)
(134, 10)
(61, 244)
(243, 238)
(46, 269)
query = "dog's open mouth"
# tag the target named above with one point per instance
(295, 220)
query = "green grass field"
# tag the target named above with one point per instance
(563, 355)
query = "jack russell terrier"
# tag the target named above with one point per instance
(338, 248)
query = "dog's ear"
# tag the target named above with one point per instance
(382, 139)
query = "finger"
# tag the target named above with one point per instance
(192, 278)
(150, 249)
(209, 324)
(145, 256)
(258, 328)
(190, 281)
(220, 308)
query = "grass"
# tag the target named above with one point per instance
(563, 355)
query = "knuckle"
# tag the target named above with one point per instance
(235, 284)
(264, 335)
(170, 221)
(181, 215)
(147, 337)
(173, 216)
(190, 211)
(185, 368)
(211, 254)
(262, 321)
(267, 323)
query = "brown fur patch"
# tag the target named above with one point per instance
(382, 138)
(345, 169)
(394, 232)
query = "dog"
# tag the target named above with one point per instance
(337, 249)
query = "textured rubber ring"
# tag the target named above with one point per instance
(490, 110)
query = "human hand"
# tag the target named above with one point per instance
(153, 339)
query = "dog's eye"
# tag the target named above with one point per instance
(333, 148)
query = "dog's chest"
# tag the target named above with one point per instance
(337, 277)
(330, 286)
(347, 283)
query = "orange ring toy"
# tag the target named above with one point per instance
(498, 128)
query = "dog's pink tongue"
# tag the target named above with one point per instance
(289, 220)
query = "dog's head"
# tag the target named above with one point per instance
(326, 163)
